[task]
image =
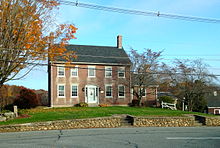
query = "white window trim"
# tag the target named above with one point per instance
(118, 91)
(145, 93)
(58, 67)
(111, 91)
(106, 67)
(58, 91)
(76, 67)
(216, 110)
(72, 90)
(119, 70)
(89, 67)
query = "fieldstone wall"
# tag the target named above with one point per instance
(209, 121)
(212, 121)
(111, 122)
(163, 121)
(106, 122)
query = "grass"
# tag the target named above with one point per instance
(51, 114)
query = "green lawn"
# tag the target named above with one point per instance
(40, 114)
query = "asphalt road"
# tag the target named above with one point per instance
(150, 137)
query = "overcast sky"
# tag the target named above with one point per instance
(178, 38)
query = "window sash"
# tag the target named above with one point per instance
(74, 72)
(61, 91)
(91, 71)
(121, 91)
(121, 72)
(108, 72)
(61, 71)
(74, 91)
(143, 93)
(108, 91)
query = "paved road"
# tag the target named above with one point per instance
(190, 137)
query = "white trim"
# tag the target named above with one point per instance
(58, 67)
(52, 97)
(218, 111)
(106, 67)
(83, 63)
(214, 107)
(111, 91)
(118, 91)
(92, 67)
(121, 68)
(58, 91)
(72, 90)
(145, 92)
(77, 71)
(96, 91)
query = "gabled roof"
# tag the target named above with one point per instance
(213, 101)
(99, 54)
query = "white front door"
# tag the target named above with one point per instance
(92, 94)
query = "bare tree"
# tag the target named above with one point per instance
(145, 67)
(189, 80)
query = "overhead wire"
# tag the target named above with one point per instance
(103, 69)
(138, 12)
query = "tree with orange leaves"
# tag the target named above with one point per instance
(23, 36)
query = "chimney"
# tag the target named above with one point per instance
(119, 41)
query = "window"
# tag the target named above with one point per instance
(74, 92)
(61, 90)
(91, 71)
(121, 91)
(108, 91)
(74, 71)
(121, 72)
(143, 91)
(61, 72)
(108, 72)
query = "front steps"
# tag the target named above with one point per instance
(126, 121)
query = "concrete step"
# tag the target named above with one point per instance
(197, 123)
(126, 121)
(92, 104)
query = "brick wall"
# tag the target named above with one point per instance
(82, 80)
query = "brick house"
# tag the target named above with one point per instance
(100, 76)
(213, 103)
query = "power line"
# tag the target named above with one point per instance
(138, 12)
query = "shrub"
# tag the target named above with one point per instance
(82, 104)
(27, 99)
(134, 103)
(166, 99)
(9, 107)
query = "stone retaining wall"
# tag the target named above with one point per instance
(209, 121)
(212, 121)
(163, 121)
(110, 122)
(106, 122)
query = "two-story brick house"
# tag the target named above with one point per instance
(100, 76)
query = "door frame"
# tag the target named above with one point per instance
(96, 88)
